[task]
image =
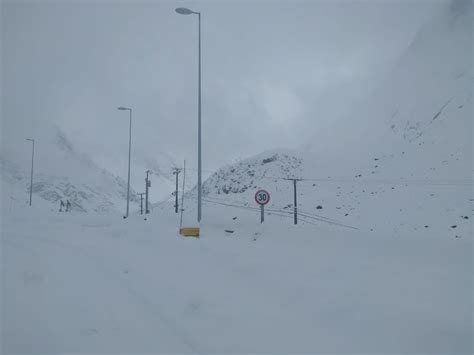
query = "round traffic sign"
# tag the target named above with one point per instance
(262, 197)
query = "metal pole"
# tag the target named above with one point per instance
(176, 172)
(295, 203)
(182, 196)
(32, 165)
(262, 213)
(199, 126)
(129, 157)
(141, 202)
(147, 185)
(185, 11)
(176, 195)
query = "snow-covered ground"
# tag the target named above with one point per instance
(78, 283)
(380, 262)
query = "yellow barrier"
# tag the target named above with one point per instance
(189, 232)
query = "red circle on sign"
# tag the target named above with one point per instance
(262, 197)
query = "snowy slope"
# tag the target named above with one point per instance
(408, 167)
(62, 174)
(426, 101)
(363, 200)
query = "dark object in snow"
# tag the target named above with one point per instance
(234, 218)
(440, 111)
(454, 226)
(347, 214)
(376, 158)
(314, 184)
(426, 226)
(256, 235)
(124, 217)
(458, 236)
(228, 231)
(269, 160)
(319, 207)
(393, 188)
(465, 217)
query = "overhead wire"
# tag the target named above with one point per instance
(282, 213)
(401, 181)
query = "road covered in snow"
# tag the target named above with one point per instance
(97, 284)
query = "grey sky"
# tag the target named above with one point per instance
(275, 73)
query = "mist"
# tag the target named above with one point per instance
(274, 75)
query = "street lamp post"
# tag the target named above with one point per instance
(129, 155)
(184, 11)
(32, 160)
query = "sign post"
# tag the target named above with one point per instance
(262, 197)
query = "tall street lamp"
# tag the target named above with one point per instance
(184, 11)
(129, 155)
(32, 160)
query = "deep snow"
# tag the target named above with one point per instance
(89, 284)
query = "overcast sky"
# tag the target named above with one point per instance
(274, 73)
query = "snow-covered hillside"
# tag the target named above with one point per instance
(425, 102)
(367, 200)
(62, 174)
(408, 167)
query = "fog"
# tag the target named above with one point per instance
(274, 74)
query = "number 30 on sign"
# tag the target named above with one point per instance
(262, 197)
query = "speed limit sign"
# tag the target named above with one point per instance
(262, 197)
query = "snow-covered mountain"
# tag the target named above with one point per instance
(427, 98)
(407, 168)
(61, 173)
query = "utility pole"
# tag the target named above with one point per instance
(147, 185)
(295, 205)
(141, 201)
(182, 196)
(176, 172)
